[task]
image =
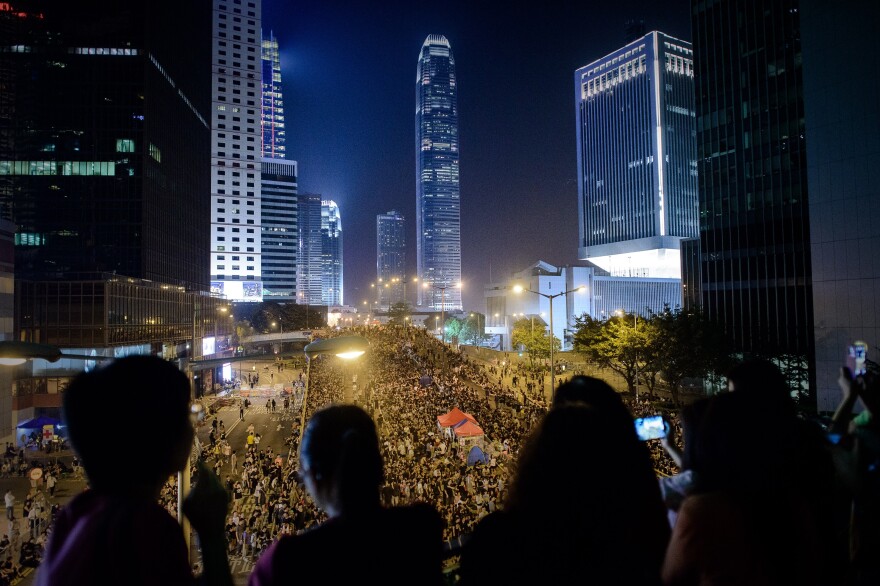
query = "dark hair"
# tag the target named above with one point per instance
(599, 477)
(763, 383)
(135, 409)
(593, 392)
(340, 445)
(691, 418)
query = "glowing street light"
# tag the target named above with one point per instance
(519, 289)
(344, 347)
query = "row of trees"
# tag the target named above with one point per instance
(670, 346)
(287, 317)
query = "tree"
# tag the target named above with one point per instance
(287, 317)
(399, 312)
(686, 345)
(615, 343)
(473, 328)
(535, 341)
(453, 328)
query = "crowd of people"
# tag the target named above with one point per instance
(573, 483)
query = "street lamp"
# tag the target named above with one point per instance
(520, 289)
(345, 347)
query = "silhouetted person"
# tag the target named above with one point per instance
(342, 469)
(748, 519)
(117, 533)
(584, 508)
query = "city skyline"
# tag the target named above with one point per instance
(515, 110)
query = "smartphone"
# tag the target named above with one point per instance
(857, 358)
(648, 428)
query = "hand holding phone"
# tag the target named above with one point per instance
(857, 358)
(654, 427)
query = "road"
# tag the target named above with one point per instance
(272, 427)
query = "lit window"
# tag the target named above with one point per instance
(124, 145)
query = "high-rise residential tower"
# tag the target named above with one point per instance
(438, 220)
(278, 187)
(331, 253)
(390, 258)
(236, 136)
(636, 157)
(751, 151)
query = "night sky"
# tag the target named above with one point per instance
(348, 72)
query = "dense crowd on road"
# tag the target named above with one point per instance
(412, 378)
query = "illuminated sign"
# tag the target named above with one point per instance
(208, 346)
(248, 291)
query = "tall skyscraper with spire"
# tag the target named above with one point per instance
(278, 186)
(438, 218)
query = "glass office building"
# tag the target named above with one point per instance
(104, 139)
(309, 272)
(390, 258)
(636, 157)
(331, 254)
(754, 211)
(273, 100)
(279, 229)
(438, 221)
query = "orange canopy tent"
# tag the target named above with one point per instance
(468, 429)
(454, 417)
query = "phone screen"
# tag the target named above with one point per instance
(856, 358)
(648, 428)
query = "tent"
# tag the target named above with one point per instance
(477, 455)
(468, 429)
(454, 417)
(39, 422)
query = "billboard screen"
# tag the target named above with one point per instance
(238, 290)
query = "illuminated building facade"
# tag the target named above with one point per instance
(279, 229)
(331, 253)
(236, 138)
(390, 258)
(273, 100)
(636, 155)
(438, 218)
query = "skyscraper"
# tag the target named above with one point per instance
(278, 187)
(309, 274)
(438, 221)
(235, 151)
(751, 153)
(104, 139)
(279, 230)
(843, 146)
(331, 254)
(273, 100)
(390, 257)
(636, 157)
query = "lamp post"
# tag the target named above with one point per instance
(345, 347)
(520, 289)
